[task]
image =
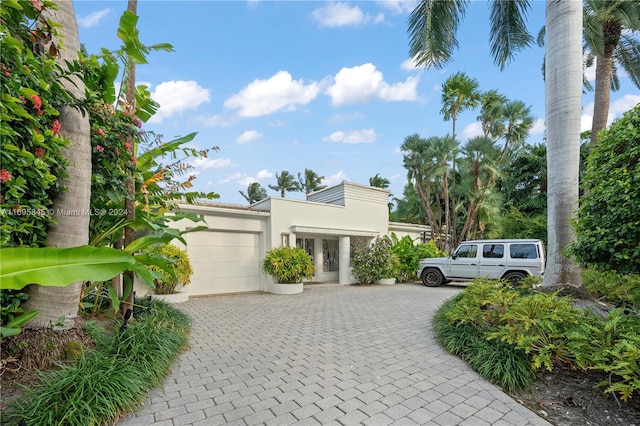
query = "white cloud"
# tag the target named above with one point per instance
(343, 118)
(277, 123)
(175, 97)
(248, 136)
(341, 15)
(472, 130)
(211, 163)
(264, 174)
(246, 181)
(364, 82)
(410, 65)
(397, 6)
(219, 120)
(354, 136)
(616, 109)
(264, 97)
(622, 105)
(93, 19)
(335, 179)
(538, 127)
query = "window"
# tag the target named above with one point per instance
(493, 251)
(467, 250)
(523, 251)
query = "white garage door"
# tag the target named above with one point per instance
(224, 262)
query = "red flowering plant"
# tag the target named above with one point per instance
(31, 163)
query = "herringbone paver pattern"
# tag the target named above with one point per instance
(333, 355)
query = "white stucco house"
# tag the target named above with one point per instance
(226, 257)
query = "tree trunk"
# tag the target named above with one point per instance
(563, 89)
(602, 96)
(130, 185)
(58, 306)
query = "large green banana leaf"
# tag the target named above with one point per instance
(51, 266)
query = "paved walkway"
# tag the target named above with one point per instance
(333, 355)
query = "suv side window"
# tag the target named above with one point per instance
(493, 251)
(467, 250)
(523, 251)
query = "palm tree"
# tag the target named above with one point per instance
(285, 182)
(310, 182)
(609, 28)
(59, 305)
(563, 87)
(432, 33)
(459, 92)
(481, 155)
(516, 124)
(491, 104)
(379, 182)
(255, 193)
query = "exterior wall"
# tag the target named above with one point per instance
(341, 214)
(418, 233)
(229, 221)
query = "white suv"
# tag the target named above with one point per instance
(511, 260)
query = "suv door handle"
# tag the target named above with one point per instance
(501, 265)
(473, 264)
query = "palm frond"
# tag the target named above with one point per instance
(508, 34)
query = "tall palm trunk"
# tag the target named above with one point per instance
(602, 97)
(563, 107)
(72, 206)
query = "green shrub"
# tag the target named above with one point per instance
(538, 324)
(608, 220)
(409, 255)
(374, 262)
(610, 345)
(109, 381)
(181, 264)
(482, 304)
(289, 264)
(494, 360)
(615, 288)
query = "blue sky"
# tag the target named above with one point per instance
(289, 85)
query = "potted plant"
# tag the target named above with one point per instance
(376, 263)
(290, 265)
(168, 288)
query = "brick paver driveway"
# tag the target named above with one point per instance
(333, 355)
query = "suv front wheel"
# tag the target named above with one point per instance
(432, 277)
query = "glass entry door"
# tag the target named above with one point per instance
(308, 244)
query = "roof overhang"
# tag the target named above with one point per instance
(332, 231)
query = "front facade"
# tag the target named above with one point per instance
(226, 257)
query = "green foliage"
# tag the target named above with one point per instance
(494, 360)
(615, 288)
(409, 254)
(374, 262)
(115, 378)
(610, 345)
(289, 264)
(12, 316)
(516, 224)
(31, 163)
(608, 222)
(482, 304)
(178, 261)
(542, 328)
(52, 266)
(538, 325)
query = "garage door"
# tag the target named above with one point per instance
(224, 262)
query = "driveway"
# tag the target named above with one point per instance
(333, 355)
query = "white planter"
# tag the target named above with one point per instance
(180, 297)
(386, 281)
(278, 288)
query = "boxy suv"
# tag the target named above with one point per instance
(510, 260)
